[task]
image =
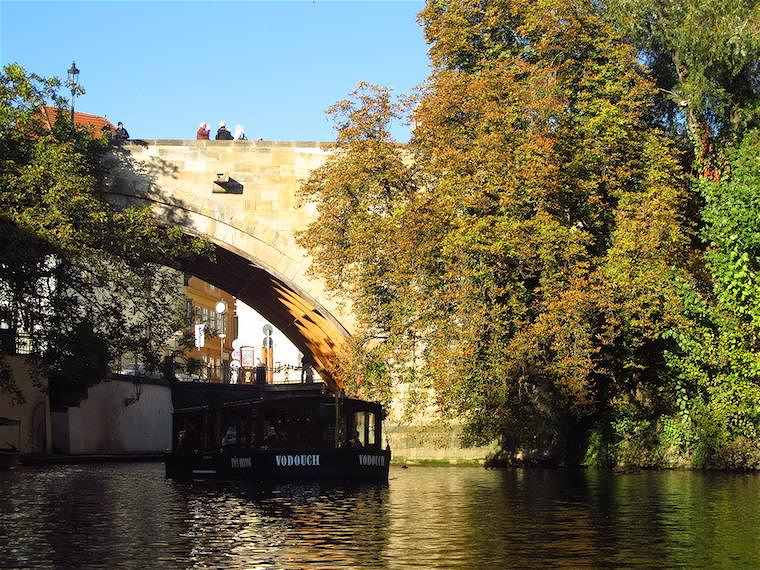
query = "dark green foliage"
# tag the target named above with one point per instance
(717, 360)
(85, 281)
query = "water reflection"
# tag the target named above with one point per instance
(129, 515)
(290, 525)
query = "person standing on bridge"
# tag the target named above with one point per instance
(222, 134)
(307, 372)
(120, 134)
(203, 133)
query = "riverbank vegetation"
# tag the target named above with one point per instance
(83, 282)
(565, 254)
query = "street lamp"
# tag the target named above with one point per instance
(268, 353)
(73, 85)
(221, 308)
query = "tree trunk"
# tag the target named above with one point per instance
(704, 149)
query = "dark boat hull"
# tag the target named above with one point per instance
(9, 459)
(281, 465)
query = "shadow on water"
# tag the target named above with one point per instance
(131, 516)
(600, 519)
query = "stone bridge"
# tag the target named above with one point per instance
(241, 195)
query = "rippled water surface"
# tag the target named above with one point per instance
(129, 515)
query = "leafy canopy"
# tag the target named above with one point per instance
(84, 280)
(516, 260)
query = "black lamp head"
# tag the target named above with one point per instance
(73, 71)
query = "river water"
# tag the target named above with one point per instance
(129, 515)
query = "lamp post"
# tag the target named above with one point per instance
(73, 85)
(221, 308)
(269, 352)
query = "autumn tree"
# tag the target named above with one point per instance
(519, 256)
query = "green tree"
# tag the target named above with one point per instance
(84, 280)
(717, 361)
(705, 56)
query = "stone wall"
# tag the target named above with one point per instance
(419, 433)
(434, 443)
(34, 412)
(243, 197)
(110, 420)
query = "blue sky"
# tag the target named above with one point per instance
(273, 67)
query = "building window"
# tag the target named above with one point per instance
(217, 324)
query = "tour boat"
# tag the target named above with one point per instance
(284, 432)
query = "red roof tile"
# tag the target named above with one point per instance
(95, 123)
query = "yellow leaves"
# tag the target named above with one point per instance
(529, 236)
(651, 246)
(561, 345)
(366, 115)
(462, 34)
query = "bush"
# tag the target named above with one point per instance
(740, 454)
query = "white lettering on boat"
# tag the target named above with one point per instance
(372, 460)
(297, 460)
(241, 462)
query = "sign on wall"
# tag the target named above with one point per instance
(248, 356)
(200, 335)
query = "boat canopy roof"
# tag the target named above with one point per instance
(279, 400)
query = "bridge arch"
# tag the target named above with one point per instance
(241, 196)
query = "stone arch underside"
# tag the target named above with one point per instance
(301, 319)
(262, 277)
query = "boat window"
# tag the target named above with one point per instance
(371, 428)
(230, 436)
(359, 422)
